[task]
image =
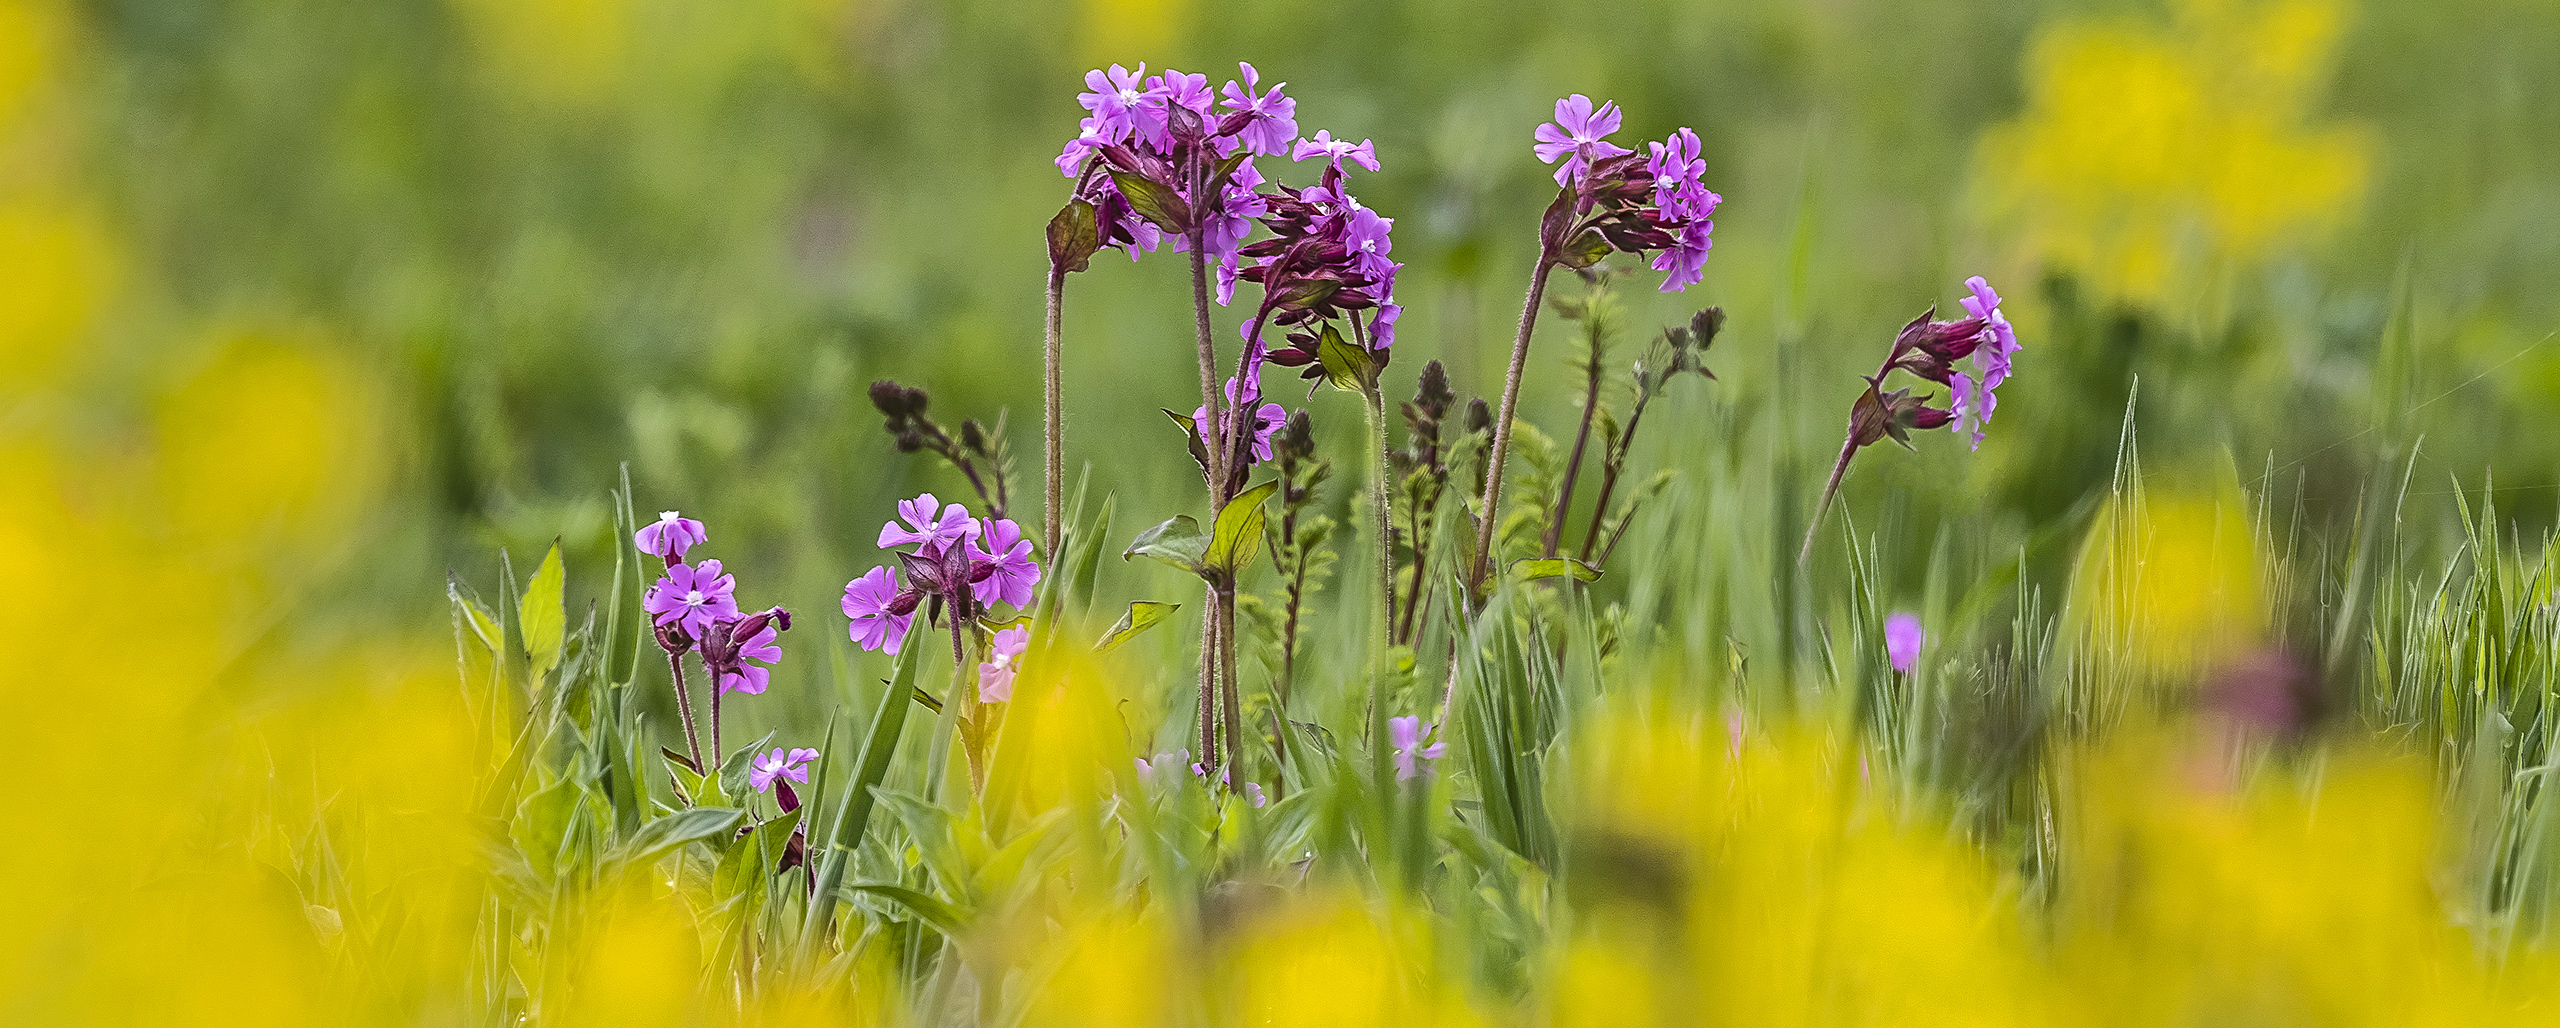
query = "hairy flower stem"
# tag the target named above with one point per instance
(1383, 638)
(1231, 703)
(1209, 679)
(715, 716)
(684, 706)
(1053, 430)
(1502, 423)
(1213, 642)
(1840, 468)
(1231, 432)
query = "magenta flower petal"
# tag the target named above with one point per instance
(1902, 640)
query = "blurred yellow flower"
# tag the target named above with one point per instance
(562, 51)
(2152, 158)
(1130, 31)
(31, 34)
(61, 268)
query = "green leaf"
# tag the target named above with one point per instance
(853, 815)
(733, 770)
(539, 610)
(690, 783)
(670, 833)
(1177, 542)
(1142, 615)
(541, 821)
(1073, 236)
(1154, 201)
(470, 613)
(1238, 539)
(622, 639)
(1554, 567)
(1346, 367)
(1584, 251)
(942, 916)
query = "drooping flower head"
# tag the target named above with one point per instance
(731, 648)
(1678, 173)
(1015, 572)
(1615, 199)
(668, 537)
(1902, 640)
(1004, 659)
(691, 598)
(1991, 349)
(1578, 136)
(923, 526)
(1407, 734)
(792, 764)
(873, 601)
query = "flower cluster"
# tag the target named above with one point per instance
(695, 606)
(1158, 154)
(1614, 198)
(1930, 349)
(1326, 261)
(966, 564)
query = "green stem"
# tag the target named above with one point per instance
(1053, 425)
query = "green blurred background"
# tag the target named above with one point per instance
(548, 236)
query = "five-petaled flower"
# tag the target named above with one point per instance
(668, 537)
(1902, 640)
(1015, 573)
(880, 615)
(792, 764)
(1004, 659)
(1407, 734)
(1577, 135)
(1363, 153)
(692, 598)
(1118, 101)
(1271, 119)
(922, 526)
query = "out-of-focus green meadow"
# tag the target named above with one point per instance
(304, 305)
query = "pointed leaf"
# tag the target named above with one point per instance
(1585, 250)
(539, 611)
(1239, 534)
(1177, 542)
(1346, 367)
(670, 833)
(1142, 615)
(1072, 236)
(1554, 567)
(1154, 201)
(942, 916)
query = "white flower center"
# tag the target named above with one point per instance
(666, 517)
(693, 598)
(1004, 660)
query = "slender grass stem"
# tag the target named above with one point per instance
(1502, 424)
(1230, 702)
